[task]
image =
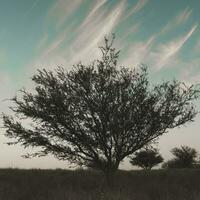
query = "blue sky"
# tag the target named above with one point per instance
(164, 35)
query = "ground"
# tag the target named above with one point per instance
(16, 184)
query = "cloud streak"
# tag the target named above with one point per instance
(156, 55)
(101, 21)
(94, 32)
(98, 23)
(168, 50)
(62, 9)
(92, 13)
(180, 19)
(140, 4)
(138, 52)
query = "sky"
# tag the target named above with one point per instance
(35, 34)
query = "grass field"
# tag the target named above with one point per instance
(18, 184)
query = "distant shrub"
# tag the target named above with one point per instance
(184, 157)
(146, 158)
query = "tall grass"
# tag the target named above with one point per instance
(18, 184)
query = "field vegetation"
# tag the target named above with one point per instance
(181, 184)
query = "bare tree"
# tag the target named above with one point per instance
(97, 115)
(146, 158)
(184, 157)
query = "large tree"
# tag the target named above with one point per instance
(96, 115)
(146, 158)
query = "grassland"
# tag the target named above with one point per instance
(18, 184)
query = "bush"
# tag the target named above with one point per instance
(146, 158)
(184, 157)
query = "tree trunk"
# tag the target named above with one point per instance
(109, 177)
(109, 172)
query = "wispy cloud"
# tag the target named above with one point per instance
(94, 32)
(130, 31)
(55, 44)
(181, 18)
(156, 55)
(137, 53)
(140, 4)
(89, 35)
(97, 6)
(166, 51)
(101, 21)
(62, 9)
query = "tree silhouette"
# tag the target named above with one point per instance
(185, 157)
(146, 158)
(97, 115)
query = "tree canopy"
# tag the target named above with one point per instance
(98, 114)
(146, 158)
(184, 157)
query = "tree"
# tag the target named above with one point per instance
(185, 157)
(97, 115)
(146, 158)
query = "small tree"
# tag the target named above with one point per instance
(185, 157)
(99, 114)
(146, 158)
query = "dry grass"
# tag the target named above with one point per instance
(89, 185)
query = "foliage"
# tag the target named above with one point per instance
(97, 115)
(185, 157)
(146, 158)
